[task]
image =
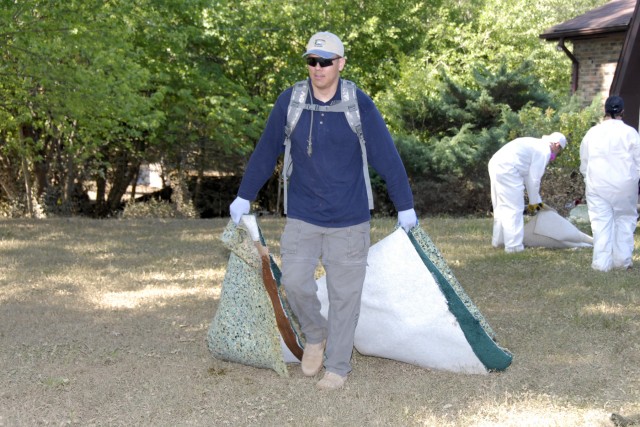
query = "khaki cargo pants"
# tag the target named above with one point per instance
(343, 253)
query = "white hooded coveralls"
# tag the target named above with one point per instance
(519, 164)
(610, 164)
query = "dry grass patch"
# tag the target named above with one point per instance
(104, 323)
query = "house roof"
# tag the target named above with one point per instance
(625, 81)
(610, 18)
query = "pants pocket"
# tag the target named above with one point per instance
(359, 240)
(290, 238)
(348, 245)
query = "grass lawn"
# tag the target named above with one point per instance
(104, 322)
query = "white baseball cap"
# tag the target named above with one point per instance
(325, 44)
(556, 137)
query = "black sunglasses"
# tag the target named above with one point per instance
(312, 62)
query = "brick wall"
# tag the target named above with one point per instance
(598, 58)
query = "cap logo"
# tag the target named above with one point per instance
(324, 44)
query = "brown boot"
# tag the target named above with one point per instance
(312, 358)
(331, 381)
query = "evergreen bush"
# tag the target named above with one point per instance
(448, 139)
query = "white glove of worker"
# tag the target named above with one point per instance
(238, 208)
(407, 219)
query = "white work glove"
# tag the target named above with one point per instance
(238, 208)
(407, 219)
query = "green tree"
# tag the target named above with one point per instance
(76, 101)
(92, 88)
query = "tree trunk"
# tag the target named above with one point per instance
(9, 179)
(134, 184)
(70, 181)
(27, 185)
(180, 192)
(125, 169)
(101, 190)
(201, 164)
(24, 134)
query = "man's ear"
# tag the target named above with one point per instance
(341, 63)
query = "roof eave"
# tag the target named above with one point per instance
(583, 33)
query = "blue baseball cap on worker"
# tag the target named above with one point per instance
(325, 45)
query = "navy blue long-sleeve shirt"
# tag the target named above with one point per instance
(327, 188)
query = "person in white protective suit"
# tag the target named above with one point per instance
(519, 165)
(610, 164)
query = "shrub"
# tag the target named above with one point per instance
(448, 172)
(151, 209)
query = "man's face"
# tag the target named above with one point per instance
(327, 76)
(556, 149)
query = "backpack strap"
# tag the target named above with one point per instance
(298, 98)
(349, 98)
(348, 106)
